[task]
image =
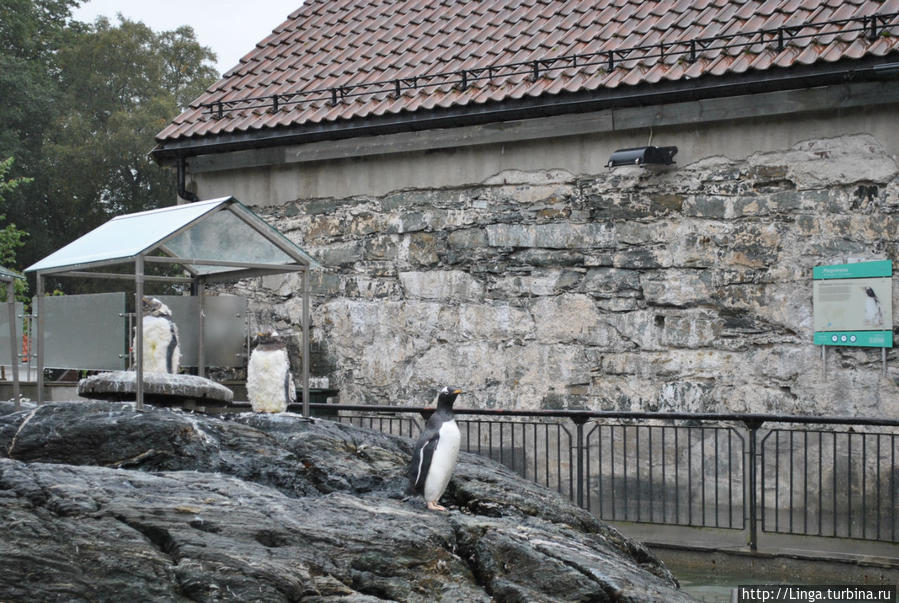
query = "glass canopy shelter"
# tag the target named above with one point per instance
(220, 240)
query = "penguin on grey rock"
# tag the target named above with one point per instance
(161, 345)
(270, 385)
(435, 453)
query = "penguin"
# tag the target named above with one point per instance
(270, 385)
(435, 452)
(873, 310)
(161, 347)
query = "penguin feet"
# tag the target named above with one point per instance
(433, 506)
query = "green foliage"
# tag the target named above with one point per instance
(11, 238)
(30, 33)
(87, 101)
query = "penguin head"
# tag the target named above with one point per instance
(153, 307)
(270, 338)
(870, 292)
(447, 396)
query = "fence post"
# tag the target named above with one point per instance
(579, 421)
(753, 495)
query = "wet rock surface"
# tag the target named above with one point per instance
(99, 502)
(158, 387)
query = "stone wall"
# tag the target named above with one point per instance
(686, 289)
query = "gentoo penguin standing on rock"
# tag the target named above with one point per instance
(434, 456)
(270, 385)
(161, 351)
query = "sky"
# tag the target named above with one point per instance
(230, 28)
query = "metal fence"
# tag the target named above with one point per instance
(814, 476)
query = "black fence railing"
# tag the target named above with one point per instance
(814, 476)
(830, 483)
(670, 474)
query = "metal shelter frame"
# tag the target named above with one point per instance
(163, 236)
(10, 277)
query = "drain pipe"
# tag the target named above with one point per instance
(185, 194)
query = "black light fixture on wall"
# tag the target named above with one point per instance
(643, 156)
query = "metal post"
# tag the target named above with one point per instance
(201, 344)
(579, 425)
(306, 291)
(883, 361)
(752, 495)
(824, 363)
(40, 337)
(139, 332)
(13, 341)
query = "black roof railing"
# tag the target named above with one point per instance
(777, 39)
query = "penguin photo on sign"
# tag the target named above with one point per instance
(435, 453)
(873, 309)
(161, 346)
(270, 385)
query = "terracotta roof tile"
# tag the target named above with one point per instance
(326, 44)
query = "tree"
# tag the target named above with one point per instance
(11, 238)
(111, 88)
(30, 33)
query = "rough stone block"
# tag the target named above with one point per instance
(338, 254)
(469, 238)
(565, 318)
(552, 236)
(420, 249)
(675, 288)
(609, 282)
(449, 285)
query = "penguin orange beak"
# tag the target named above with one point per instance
(457, 391)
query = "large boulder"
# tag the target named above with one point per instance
(99, 502)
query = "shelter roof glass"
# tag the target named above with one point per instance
(218, 229)
(7, 275)
(224, 236)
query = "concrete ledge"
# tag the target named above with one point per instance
(728, 569)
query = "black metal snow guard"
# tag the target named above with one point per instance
(689, 50)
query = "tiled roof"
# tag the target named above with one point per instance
(335, 60)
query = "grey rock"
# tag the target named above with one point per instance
(102, 503)
(122, 385)
(340, 253)
(446, 284)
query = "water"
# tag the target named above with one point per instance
(713, 588)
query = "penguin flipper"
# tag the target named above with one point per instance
(421, 461)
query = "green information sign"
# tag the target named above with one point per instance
(867, 339)
(853, 304)
(880, 268)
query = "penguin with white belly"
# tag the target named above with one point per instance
(873, 309)
(161, 348)
(435, 452)
(270, 385)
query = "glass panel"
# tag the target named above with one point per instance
(224, 236)
(226, 332)
(5, 354)
(125, 236)
(84, 331)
